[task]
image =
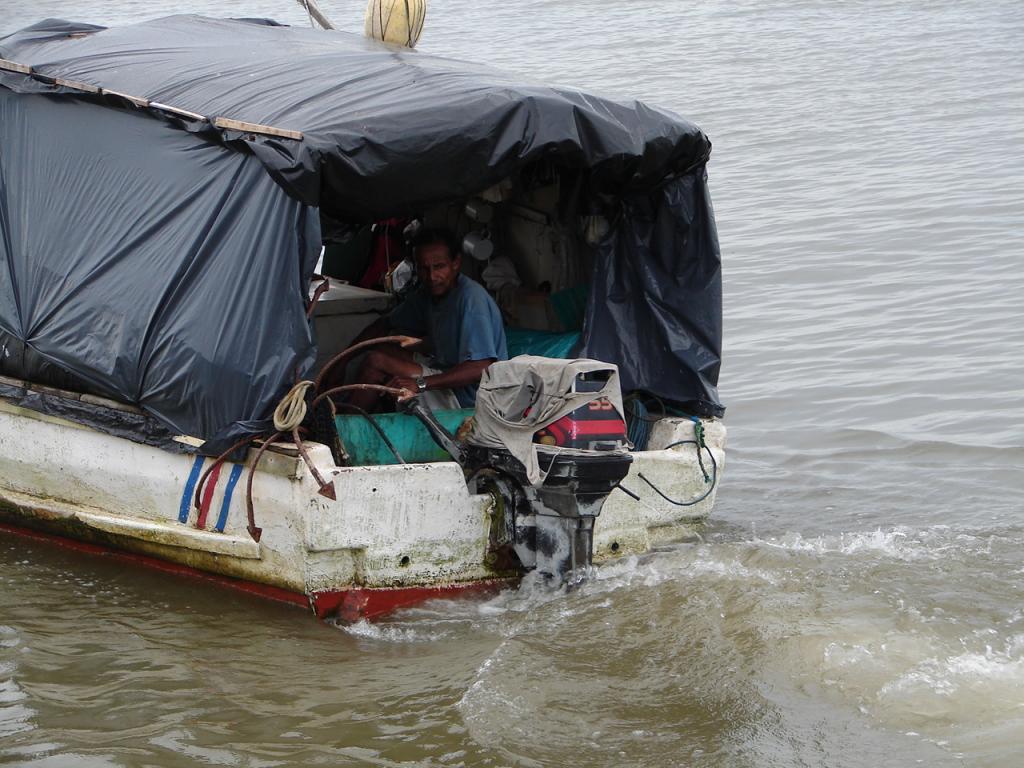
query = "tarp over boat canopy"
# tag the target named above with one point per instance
(384, 128)
(145, 256)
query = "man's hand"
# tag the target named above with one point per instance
(464, 374)
(406, 384)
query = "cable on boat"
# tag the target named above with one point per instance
(288, 417)
(628, 492)
(393, 391)
(253, 530)
(690, 503)
(639, 419)
(326, 488)
(315, 14)
(698, 429)
(324, 287)
(376, 426)
(291, 413)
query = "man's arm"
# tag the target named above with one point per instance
(462, 375)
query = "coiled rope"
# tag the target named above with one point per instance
(288, 418)
(291, 411)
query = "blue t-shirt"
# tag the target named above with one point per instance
(464, 324)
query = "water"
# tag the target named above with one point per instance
(859, 599)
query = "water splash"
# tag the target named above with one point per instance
(394, 633)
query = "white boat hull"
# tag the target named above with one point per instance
(394, 535)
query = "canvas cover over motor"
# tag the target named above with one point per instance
(519, 397)
(547, 497)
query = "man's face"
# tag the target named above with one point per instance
(436, 268)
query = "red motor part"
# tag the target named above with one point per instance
(596, 426)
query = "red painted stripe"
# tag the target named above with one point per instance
(355, 604)
(211, 486)
(612, 429)
(345, 604)
(557, 432)
(252, 588)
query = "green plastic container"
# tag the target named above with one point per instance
(522, 341)
(407, 433)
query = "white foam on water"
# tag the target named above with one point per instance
(439, 619)
(9, 637)
(898, 543)
(532, 593)
(491, 708)
(895, 543)
(927, 681)
(709, 561)
(985, 679)
(687, 562)
(392, 633)
(918, 630)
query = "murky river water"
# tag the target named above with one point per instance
(859, 599)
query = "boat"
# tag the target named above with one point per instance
(168, 191)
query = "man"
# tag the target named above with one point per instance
(456, 316)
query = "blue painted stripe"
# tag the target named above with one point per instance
(222, 520)
(190, 487)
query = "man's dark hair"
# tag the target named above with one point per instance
(433, 237)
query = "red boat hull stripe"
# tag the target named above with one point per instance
(347, 604)
(211, 486)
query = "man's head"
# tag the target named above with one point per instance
(437, 262)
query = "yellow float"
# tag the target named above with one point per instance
(396, 21)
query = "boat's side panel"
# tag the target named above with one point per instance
(60, 477)
(401, 525)
(629, 526)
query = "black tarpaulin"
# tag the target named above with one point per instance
(659, 276)
(140, 263)
(384, 128)
(151, 257)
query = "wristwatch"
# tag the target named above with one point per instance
(421, 384)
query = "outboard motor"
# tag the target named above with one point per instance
(549, 444)
(549, 527)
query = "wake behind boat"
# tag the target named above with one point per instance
(168, 190)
